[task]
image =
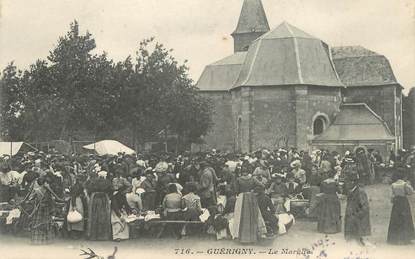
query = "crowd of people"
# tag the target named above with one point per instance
(238, 196)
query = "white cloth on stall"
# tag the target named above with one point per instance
(13, 214)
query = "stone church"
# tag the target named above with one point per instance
(286, 88)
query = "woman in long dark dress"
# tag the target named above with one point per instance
(315, 181)
(401, 226)
(329, 210)
(42, 231)
(99, 222)
(248, 221)
(77, 202)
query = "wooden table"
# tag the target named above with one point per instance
(164, 224)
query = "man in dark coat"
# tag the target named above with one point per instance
(207, 185)
(357, 216)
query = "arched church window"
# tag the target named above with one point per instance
(319, 125)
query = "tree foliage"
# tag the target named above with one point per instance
(75, 93)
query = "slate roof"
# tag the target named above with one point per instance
(252, 18)
(358, 66)
(356, 121)
(288, 56)
(221, 75)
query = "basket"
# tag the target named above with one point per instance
(299, 203)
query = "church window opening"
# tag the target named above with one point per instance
(319, 125)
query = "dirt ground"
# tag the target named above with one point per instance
(301, 242)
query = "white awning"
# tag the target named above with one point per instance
(10, 148)
(109, 147)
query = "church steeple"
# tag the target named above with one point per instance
(251, 25)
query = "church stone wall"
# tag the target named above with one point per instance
(273, 117)
(280, 116)
(221, 135)
(241, 115)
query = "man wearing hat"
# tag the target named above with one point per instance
(149, 185)
(299, 174)
(262, 172)
(207, 187)
(357, 215)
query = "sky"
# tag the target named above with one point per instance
(199, 30)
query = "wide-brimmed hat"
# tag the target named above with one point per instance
(295, 163)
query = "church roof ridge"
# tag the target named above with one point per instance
(352, 51)
(286, 30)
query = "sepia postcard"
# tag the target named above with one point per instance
(207, 128)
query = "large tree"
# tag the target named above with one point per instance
(75, 93)
(161, 97)
(11, 103)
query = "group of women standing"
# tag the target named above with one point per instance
(104, 216)
(357, 215)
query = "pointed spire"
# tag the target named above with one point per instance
(251, 25)
(252, 18)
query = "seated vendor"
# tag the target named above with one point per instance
(292, 186)
(278, 192)
(134, 199)
(294, 190)
(191, 203)
(172, 203)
